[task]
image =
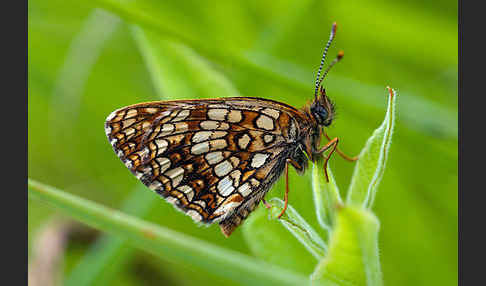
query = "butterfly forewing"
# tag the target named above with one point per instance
(213, 159)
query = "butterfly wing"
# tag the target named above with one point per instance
(212, 159)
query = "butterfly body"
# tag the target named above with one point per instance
(213, 159)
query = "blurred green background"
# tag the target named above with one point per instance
(85, 60)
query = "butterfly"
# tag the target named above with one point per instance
(215, 159)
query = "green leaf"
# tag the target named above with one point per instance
(372, 159)
(166, 243)
(353, 251)
(326, 194)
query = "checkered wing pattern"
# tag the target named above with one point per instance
(213, 159)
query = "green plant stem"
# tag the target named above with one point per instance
(326, 195)
(100, 265)
(353, 257)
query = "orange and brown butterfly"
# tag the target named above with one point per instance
(215, 159)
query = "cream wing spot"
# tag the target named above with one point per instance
(188, 191)
(217, 106)
(244, 189)
(236, 174)
(181, 115)
(209, 125)
(223, 168)
(218, 134)
(225, 208)
(254, 182)
(214, 157)
(151, 110)
(167, 129)
(217, 114)
(146, 125)
(223, 126)
(181, 127)
(112, 115)
(131, 113)
(144, 153)
(107, 129)
(164, 164)
(128, 122)
(128, 163)
(272, 112)
(218, 144)
(155, 185)
(162, 145)
(268, 138)
(225, 186)
(258, 160)
(194, 215)
(234, 116)
(201, 136)
(201, 203)
(244, 141)
(175, 175)
(264, 122)
(139, 175)
(200, 148)
(172, 200)
(234, 161)
(129, 132)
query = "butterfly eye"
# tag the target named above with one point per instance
(320, 114)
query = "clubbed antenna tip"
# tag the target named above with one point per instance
(340, 55)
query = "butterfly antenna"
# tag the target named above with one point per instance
(331, 37)
(337, 59)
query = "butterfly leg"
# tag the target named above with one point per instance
(286, 196)
(344, 156)
(331, 144)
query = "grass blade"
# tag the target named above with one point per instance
(164, 242)
(109, 253)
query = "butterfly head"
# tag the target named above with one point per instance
(322, 109)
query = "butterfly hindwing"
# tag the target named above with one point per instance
(210, 158)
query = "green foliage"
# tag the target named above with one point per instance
(352, 230)
(84, 62)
